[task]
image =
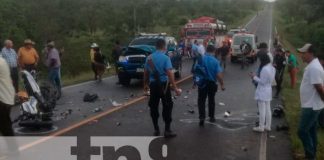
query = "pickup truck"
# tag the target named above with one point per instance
(131, 63)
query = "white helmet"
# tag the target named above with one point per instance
(94, 45)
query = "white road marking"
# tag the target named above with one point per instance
(250, 21)
(264, 136)
(263, 146)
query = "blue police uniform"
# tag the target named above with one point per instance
(212, 69)
(160, 89)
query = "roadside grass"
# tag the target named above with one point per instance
(83, 77)
(292, 97)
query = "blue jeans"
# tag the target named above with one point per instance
(307, 131)
(54, 75)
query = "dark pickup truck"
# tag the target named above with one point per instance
(131, 63)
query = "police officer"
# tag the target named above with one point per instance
(213, 73)
(158, 77)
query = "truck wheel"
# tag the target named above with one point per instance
(321, 119)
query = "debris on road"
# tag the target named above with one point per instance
(244, 148)
(278, 111)
(227, 114)
(272, 136)
(185, 97)
(70, 111)
(191, 111)
(221, 104)
(115, 103)
(118, 124)
(96, 110)
(90, 97)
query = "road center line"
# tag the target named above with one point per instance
(263, 146)
(264, 136)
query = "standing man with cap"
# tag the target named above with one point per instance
(28, 56)
(212, 72)
(312, 100)
(53, 63)
(11, 58)
(7, 95)
(159, 78)
(92, 53)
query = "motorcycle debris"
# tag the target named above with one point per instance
(227, 114)
(96, 110)
(221, 104)
(191, 111)
(243, 148)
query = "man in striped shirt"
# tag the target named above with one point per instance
(10, 55)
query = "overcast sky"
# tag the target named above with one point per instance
(270, 0)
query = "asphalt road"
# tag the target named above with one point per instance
(229, 138)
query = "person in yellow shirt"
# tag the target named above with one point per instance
(93, 66)
(27, 56)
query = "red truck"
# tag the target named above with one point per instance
(204, 29)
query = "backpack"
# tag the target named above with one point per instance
(200, 73)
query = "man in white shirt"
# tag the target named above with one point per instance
(312, 100)
(7, 94)
(201, 48)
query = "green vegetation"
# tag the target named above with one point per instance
(75, 24)
(292, 38)
(304, 19)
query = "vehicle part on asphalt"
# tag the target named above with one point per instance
(278, 111)
(90, 97)
(191, 111)
(96, 110)
(227, 114)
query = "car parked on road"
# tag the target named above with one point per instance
(131, 63)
